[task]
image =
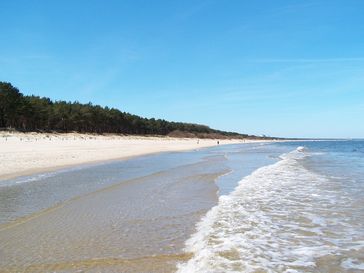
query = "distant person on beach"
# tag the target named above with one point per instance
(218, 142)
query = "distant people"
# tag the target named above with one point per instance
(218, 142)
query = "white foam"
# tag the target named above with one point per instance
(42, 176)
(278, 219)
(352, 264)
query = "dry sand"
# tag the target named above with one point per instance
(28, 153)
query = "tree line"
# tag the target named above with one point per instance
(34, 113)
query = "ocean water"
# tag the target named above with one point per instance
(124, 216)
(303, 213)
(262, 207)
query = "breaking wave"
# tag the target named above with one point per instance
(281, 218)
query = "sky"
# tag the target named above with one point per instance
(286, 68)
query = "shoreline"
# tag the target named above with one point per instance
(24, 154)
(139, 212)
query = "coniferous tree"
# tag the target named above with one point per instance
(33, 113)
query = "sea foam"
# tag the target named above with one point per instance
(281, 218)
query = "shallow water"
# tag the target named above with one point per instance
(125, 216)
(304, 213)
(264, 208)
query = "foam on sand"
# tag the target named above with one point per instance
(281, 218)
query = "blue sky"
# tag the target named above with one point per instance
(280, 68)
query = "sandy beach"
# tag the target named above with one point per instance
(203, 210)
(29, 153)
(123, 216)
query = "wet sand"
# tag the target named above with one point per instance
(29, 153)
(136, 225)
(131, 215)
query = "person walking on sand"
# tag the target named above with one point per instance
(218, 142)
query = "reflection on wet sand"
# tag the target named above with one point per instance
(138, 225)
(159, 263)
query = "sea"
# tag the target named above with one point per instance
(252, 207)
(303, 213)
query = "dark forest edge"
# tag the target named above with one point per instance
(41, 114)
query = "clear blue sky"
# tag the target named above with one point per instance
(281, 68)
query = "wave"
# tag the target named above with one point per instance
(281, 218)
(45, 175)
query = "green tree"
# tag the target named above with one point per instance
(11, 101)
